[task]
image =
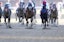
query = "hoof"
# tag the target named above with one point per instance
(22, 23)
(10, 27)
(44, 28)
(29, 28)
(47, 24)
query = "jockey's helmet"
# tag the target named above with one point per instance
(44, 2)
(29, 4)
(7, 5)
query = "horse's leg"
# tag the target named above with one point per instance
(26, 22)
(51, 20)
(35, 19)
(42, 21)
(56, 21)
(44, 24)
(0, 20)
(31, 22)
(23, 20)
(19, 19)
(48, 22)
(5, 20)
(9, 22)
(16, 16)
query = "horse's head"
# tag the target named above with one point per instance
(54, 7)
(30, 7)
(21, 5)
(6, 9)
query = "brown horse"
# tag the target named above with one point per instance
(20, 12)
(54, 15)
(29, 14)
(7, 15)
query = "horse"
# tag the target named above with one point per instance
(7, 15)
(20, 13)
(34, 12)
(30, 14)
(44, 16)
(0, 14)
(54, 14)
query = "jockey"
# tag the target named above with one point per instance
(54, 5)
(31, 3)
(7, 5)
(44, 3)
(0, 11)
(21, 4)
(0, 8)
(44, 11)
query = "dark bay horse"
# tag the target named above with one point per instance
(44, 16)
(7, 15)
(30, 14)
(0, 13)
(20, 14)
